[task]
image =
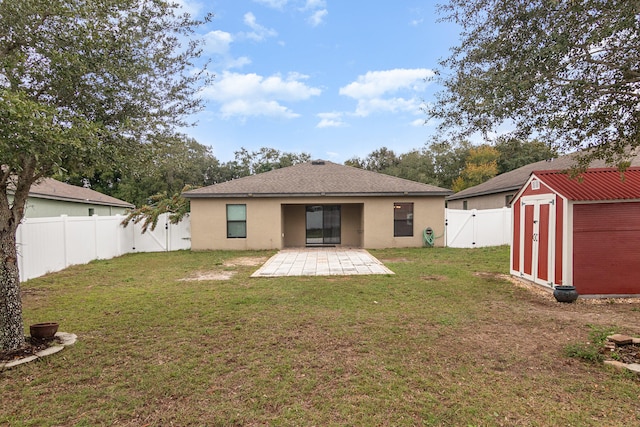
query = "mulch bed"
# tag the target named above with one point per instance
(32, 346)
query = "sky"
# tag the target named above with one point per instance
(336, 79)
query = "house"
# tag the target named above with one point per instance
(50, 198)
(318, 203)
(583, 232)
(499, 190)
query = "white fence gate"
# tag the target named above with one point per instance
(52, 244)
(478, 228)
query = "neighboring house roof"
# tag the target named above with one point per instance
(595, 184)
(317, 178)
(50, 188)
(513, 180)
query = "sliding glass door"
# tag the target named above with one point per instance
(323, 224)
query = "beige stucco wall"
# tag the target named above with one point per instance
(274, 223)
(490, 201)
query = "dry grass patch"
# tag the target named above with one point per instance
(209, 275)
(245, 261)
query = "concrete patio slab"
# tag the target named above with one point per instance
(321, 262)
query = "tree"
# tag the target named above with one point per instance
(481, 165)
(175, 205)
(81, 84)
(439, 163)
(449, 159)
(377, 161)
(515, 153)
(564, 70)
(415, 165)
(265, 159)
(164, 165)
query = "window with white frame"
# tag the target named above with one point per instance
(236, 221)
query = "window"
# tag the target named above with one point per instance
(464, 205)
(92, 211)
(402, 219)
(236, 221)
(507, 199)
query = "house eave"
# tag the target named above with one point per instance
(76, 200)
(483, 193)
(314, 195)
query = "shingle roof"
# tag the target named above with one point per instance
(317, 178)
(50, 188)
(513, 180)
(595, 184)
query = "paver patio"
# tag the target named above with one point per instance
(321, 262)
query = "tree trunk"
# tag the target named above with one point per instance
(11, 324)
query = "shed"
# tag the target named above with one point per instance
(583, 232)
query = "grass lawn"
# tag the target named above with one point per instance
(445, 341)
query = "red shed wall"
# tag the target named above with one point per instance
(606, 248)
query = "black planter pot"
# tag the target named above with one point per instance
(43, 330)
(565, 294)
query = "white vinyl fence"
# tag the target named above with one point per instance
(478, 228)
(52, 244)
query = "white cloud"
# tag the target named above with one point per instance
(246, 108)
(254, 95)
(374, 91)
(217, 42)
(274, 4)
(236, 62)
(314, 4)
(392, 105)
(317, 17)
(330, 120)
(259, 32)
(377, 83)
(418, 122)
(193, 8)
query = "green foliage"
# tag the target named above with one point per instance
(564, 70)
(439, 163)
(263, 160)
(481, 165)
(592, 350)
(176, 206)
(83, 84)
(164, 165)
(515, 153)
(380, 160)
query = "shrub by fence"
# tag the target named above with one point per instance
(478, 228)
(52, 244)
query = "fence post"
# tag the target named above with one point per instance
(119, 231)
(474, 230)
(95, 236)
(64, 240)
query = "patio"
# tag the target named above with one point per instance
(321, 262)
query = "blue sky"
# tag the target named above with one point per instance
(335, 79)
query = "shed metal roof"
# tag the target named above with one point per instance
(594, 184)
(516, 178)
